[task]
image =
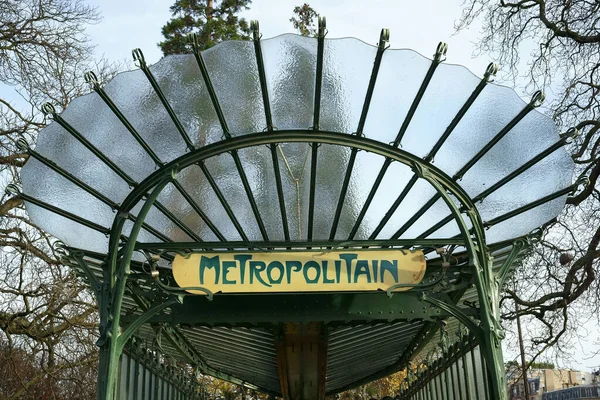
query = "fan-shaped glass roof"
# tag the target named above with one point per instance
(290, 64)
(295, 142)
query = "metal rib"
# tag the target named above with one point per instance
(209, 86)
(61, 121)
(65, 214)
(269, 120)
(507, 128)
(222, 199)
(383, 39)
(551, 149)
(91, 78)
(302, 244)
(234, 154)
(316, 120)
(440, 52)
(248, 189)
(530, 206)
(139, 57)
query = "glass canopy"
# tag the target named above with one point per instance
(289, 62)
(341, 138)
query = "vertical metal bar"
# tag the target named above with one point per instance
(280, 197)
(465, 367)
(440, 52)
(234, 154)
(136, 376)
(457, 380)
(138, 57)
(448, 383)
(383, 41)
(269, 120)
(486, 374)
(221, 197)
(439, 380)
(474, 367)
(127, 386)
(144, 375)
(522, 351)
(151, 379)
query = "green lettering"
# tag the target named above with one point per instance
(256, 267)
(297, 265)
(275, 265)
(226, 266)
(324, 268)
(348, 258)
(242, 258)
(391, 267)
(307, 266)
(338, 266)
(362, 268)
(375, 267)
(212, 262)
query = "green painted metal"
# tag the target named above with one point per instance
(476, 266)
(231, 145)
(138, 58)
(269, 120)
(438, 58)
(420, 243)
(488, 333)
(381, 47)
(274, 309)
(111, 340)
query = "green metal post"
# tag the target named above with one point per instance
(112, 340)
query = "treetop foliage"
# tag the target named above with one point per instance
(304, 21)
(214, 21)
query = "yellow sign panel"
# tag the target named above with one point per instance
(310, 271)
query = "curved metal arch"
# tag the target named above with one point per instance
(150, 187)
(424, 168)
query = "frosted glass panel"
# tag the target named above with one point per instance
(290, 66)
(234, 74)
(92, 125)
(399, 78)
(526, 222)
(182, 84)
(136, 99)
(59, 146)
(449, 88)
(61, 193)
(290, 71)
(495, 107)
(347, 67)
(70, 232)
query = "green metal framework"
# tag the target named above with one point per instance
(455, 263)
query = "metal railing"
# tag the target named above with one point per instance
(144, 374)
(453, 372)
(573, 393)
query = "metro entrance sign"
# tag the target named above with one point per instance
(307, 271)
(300, 176)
